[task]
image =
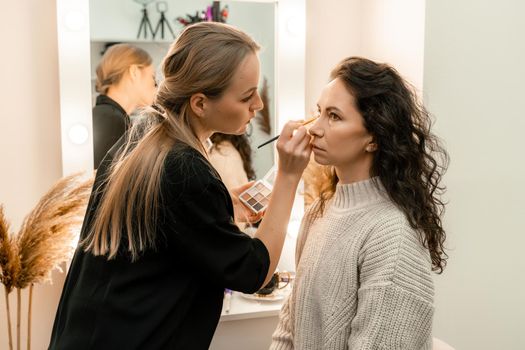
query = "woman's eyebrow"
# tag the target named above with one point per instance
(250, 90)
(333, 108)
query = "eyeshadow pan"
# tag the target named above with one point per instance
(265, 191)
(258, 196)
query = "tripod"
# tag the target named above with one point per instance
(145, 24)
(162, 7)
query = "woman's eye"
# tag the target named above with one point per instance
(333, 116)
(247, 98)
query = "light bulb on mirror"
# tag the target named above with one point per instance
(78, 134)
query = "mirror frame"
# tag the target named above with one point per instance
(75, 75)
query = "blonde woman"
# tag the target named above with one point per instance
(159, 244)
(125, 81)
(368, 245)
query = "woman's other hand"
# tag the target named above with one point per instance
(241, 212)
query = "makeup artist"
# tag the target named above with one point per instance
(159, 244)
(125, 81)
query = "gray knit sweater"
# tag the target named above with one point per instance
(363, 278)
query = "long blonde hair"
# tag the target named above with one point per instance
(203, 59)
(115, 62)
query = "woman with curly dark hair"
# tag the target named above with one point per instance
(368, 244)
(228, 149)
(231, 156)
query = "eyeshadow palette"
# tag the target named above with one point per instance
(257, 197)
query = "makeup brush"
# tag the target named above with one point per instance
(276, 137)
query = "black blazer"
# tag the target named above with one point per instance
(171, 298)
(110, 122)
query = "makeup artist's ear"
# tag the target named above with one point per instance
(198, 104)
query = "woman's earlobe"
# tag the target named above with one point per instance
(372, 147)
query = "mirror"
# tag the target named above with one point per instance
(83, 26)
(74, 54)
(123, 21)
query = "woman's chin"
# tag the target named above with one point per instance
(320, 160)
(240, 131)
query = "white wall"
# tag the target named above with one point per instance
(332, 33)
(29, 134)
(390, 31)
(474, 74)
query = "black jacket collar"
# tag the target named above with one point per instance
(106, 100)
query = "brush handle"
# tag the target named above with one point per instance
(267, 142)
(276, 137)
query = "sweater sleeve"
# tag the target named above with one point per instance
(395, 297)
(282, 338)
(306, 223)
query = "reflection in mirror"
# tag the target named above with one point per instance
(119, 21)
(74, 36)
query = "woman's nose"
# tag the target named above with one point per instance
(316, 129)
(258, 104)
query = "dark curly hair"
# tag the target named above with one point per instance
(409, 161)
(242, 144)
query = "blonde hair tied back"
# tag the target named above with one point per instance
(115, 62)
(203, 59)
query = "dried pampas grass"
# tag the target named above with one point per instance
(9, 259)
(46, 239)
(9, 267)
(48, 234)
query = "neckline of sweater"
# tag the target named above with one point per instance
(359, 194)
